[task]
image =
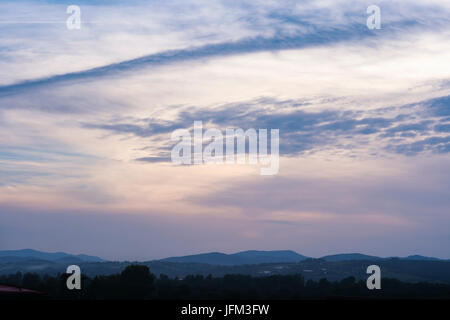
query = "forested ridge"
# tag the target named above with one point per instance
(137, 282)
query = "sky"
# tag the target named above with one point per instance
(86, 118)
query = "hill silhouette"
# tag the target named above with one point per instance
(240, 258)
(27, 254)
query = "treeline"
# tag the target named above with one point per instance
(137, 282)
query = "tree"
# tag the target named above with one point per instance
(137, 282)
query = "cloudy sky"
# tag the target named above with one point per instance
(86, 118)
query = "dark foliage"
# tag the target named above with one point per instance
(136, 282)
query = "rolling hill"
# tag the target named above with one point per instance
(350, 256)
(255, 263)
(28, 254)
(240, 258)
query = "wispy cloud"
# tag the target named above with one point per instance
(86, 118)
(400, 130)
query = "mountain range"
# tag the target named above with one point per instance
(258, 257)
(28, 254)
(250, 257)
(255, 263)
(240, 258)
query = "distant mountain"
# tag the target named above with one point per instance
(27, 254)
(240, 258)
(315, 269)
(349, 256)
(359, 256)
(252, 257)
(413, 268)
(283, 256)
(422, 258)
(271, 256)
